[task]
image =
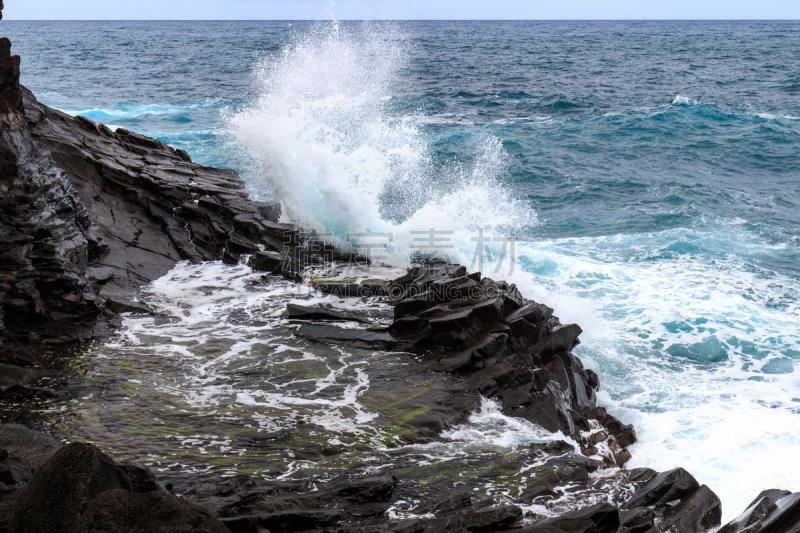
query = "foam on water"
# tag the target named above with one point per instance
(696, 344)
(129, 110)
(489, 426)
(225, 321)
(683, 101)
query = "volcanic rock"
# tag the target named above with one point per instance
(88, 214)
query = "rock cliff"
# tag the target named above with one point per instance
(89, 214)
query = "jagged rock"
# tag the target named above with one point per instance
(45, 231)
(773, 511)
(87, 215)
(664, 488)
(266, 261)
(470, 325)
(677, 501)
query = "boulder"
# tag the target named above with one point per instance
(60, 491)
(121, 511)
(773, 511)
(22, 452)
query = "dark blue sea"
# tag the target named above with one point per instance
(648, 172)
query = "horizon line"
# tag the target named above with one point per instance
(412, 20)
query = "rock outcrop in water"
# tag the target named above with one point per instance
(511, 349)
(88, 215)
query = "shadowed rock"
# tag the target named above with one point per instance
(88, 214)
(82, 490)
(121, 511)
(319, 312)
(773, 511)
(22, 452)
(59, 492)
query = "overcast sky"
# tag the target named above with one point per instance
(399, 9)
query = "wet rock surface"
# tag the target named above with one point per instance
(89, 214)
(772, 511)
(504, 347)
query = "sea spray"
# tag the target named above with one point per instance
(343, 162)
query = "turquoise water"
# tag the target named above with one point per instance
(648, 170)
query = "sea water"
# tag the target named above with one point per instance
(647, 172)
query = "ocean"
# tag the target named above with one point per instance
(642, 178)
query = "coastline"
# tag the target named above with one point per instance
(490, 335)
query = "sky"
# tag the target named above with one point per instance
(399, 9)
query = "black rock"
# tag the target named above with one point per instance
(368, 489)
(359, 338)
(267, 261)
(599, 518)
(664, 488)
(299, 519)
(486, 520)
(677, 501)
(24, 451)
(57, 494)
(141, 477)
(319, 312)
(88, 215)
(122, 511)
(773, 511)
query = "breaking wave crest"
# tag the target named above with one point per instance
(341, 159)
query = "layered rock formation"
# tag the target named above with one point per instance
(512, 349)
(89, 214)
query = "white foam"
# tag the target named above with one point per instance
(695, 345)
(489, 426)
(683, 101)
(225, 320)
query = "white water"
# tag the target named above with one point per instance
(340, 162)
(698, 351)
(694, 344)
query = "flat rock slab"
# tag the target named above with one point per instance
(355, 337)
(320, 312)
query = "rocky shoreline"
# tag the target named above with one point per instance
(90, 215)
